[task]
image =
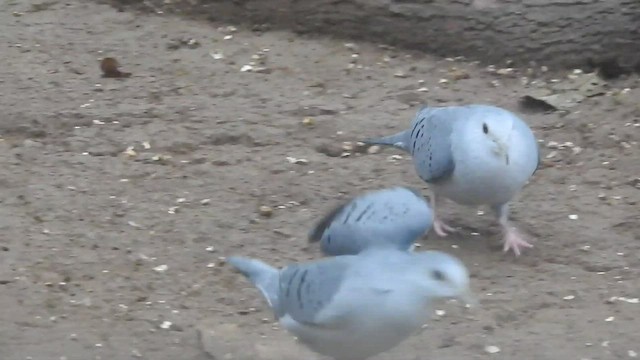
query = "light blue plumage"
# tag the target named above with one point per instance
(394, 217)
(473, 155)
(352, 307)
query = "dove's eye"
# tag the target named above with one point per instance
(438, 275)
(485, 128)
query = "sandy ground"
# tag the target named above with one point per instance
(103, 247)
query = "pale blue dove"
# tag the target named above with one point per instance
(352, 307)
(473, 155)
(393, 217)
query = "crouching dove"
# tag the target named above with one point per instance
(473, 155)
(394, 217)
(352, 307)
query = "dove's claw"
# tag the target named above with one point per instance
(441, 228)
(438, 225)
(514, 241)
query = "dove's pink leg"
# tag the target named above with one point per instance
(513, 240)
(439, 226)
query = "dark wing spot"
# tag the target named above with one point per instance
(485, 128)
(364, 212)
(417, 131)
(351, 211)
(303, 277)
(418, 124)
(413, 148)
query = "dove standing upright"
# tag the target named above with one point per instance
(352, 307)
(393, 217)
(473, 155)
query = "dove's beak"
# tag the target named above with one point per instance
(501, 149)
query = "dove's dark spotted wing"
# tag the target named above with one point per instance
(306, 289)
(430, 142)
(394, 217)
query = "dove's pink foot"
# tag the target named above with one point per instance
(514, 241)
(441, 228)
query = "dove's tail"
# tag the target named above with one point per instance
(399, 140)
(263, 276)
(316, 233)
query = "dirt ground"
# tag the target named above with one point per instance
(121, 197)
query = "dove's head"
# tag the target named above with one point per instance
(445, 276)
(493, 129)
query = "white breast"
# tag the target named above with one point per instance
(368, 330)
(483, 178)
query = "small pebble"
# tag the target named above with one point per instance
(217, 55)
(614, 299)
(161, 268)
(293, 160)
(491, 349)
(351, 46)
(265, 211)
(130, 152)
(459, 74)
(505, 71)
(373, 149)
(330, 149)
